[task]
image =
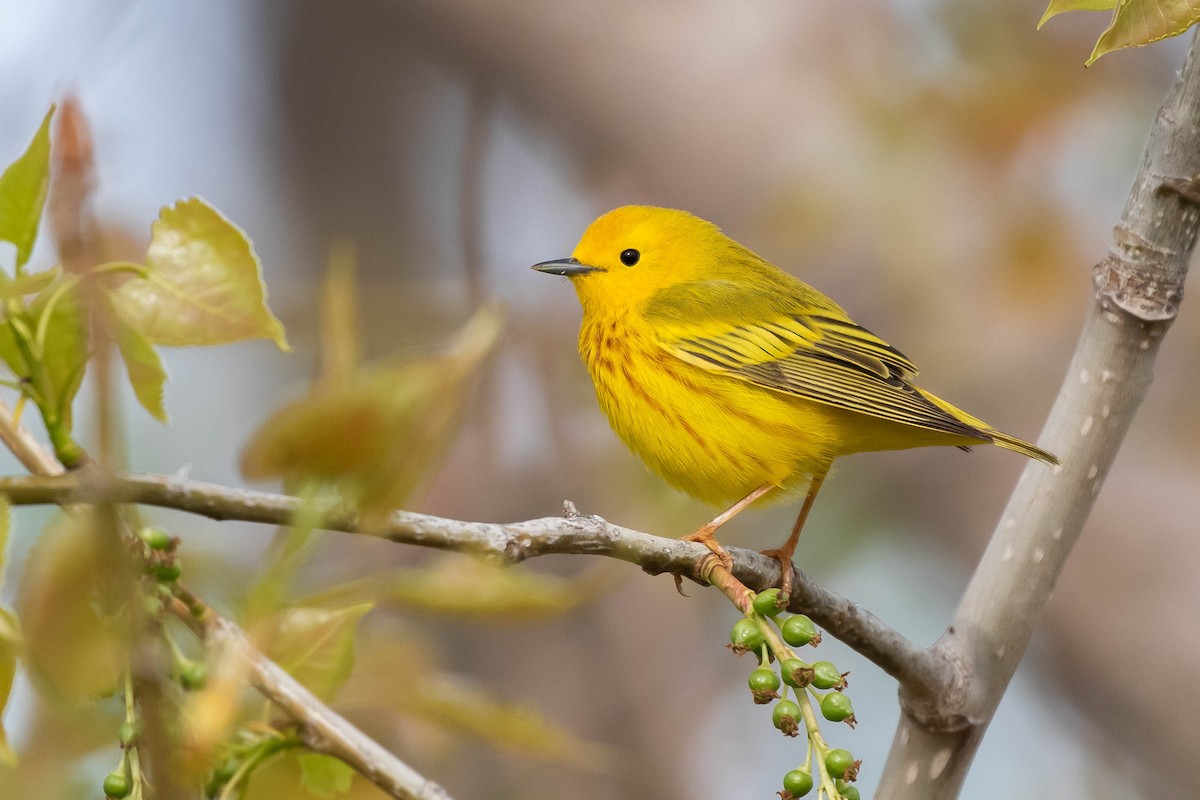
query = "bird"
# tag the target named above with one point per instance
(734, 380)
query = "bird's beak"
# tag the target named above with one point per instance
(565, 266)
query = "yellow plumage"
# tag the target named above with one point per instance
(727, 375)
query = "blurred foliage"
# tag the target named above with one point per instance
(1134, 22)
(472, 588)
(10, 640)
(94, 598)
(75, 642)
(201, 284)
(372, 432)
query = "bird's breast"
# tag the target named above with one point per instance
(714, 437)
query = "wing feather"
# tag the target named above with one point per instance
(776, 341)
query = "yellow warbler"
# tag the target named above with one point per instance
(734, 380)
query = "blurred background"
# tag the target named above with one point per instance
(944, 171)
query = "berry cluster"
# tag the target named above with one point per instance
(156, 550)
(765, 632)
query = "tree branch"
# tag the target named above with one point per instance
(326, 731)
(921, 671)
(1137, 290)
(321, 728)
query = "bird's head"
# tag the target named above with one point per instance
(631, 252)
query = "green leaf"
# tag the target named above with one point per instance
(28, 284)
(341, 349)
(453, 703)
(10, 645)
(325, 776)
(75, 644)
(63, 333)
(23, 192)
(1057, 7)
(1140, 22)
(11, 354)
(315, 645)
(203, 284)
(145, 368)
(5, 526)
(376, 433)
(473, 588)
(291, 549)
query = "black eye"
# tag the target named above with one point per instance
(630, 257)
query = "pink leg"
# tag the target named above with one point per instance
(705, 534)
(784, 554)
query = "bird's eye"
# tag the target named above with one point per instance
(630, 257)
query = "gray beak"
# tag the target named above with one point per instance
(565, 266)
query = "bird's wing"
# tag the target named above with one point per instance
(790, 341)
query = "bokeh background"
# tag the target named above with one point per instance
(945, 171)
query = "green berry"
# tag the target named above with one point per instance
(798, 782)
(117, 784)
(128, 733)
(155, 538)
(826, 676)
(764, 683)
(840, 763)
(168, 573)
(767, 603)
(796, 673)
(836, 707)
(192, 675)
(847, 791)
(786, 717)
(745, 636)
(799, 631)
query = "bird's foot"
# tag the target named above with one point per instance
(705, 537)
(784, 556)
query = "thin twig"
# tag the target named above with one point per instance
(331, 733)
(917, 669)
(322, 729)
(32, 454)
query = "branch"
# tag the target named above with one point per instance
(28, 450)
(1137, 290)
(322, 729)
(325, 730)
(918, 670)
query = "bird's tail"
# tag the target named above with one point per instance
(999, 438)
(1020, 446)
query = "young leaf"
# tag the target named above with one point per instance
(64, 346)
(469, 587)
(5, 526)
(453, 703)
(29, 284)
(325, 776)
(23, 192)
(145, 368)
(203, 284)
(74, 641)
(376, 433)
(1139, 22)
(341, 349)
(315, 645)
(10, 642)
(1057, 7)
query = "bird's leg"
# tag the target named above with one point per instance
(705, 534)
(784, 554)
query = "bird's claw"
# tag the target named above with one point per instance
(785, 568)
